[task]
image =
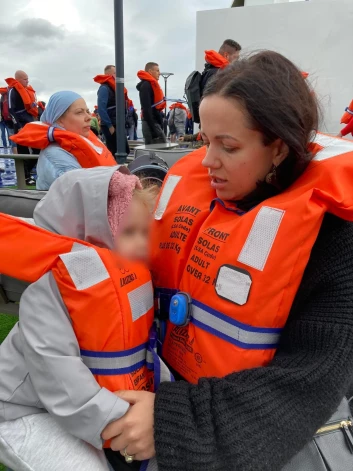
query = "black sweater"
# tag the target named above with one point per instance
(152, 116)
(257, 419)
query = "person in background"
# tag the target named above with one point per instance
(107, 107)
(195, 140)
(189, 124)
(95, 124)
(229, 52)
(65, 139)
(6, 123)
(176, 122)
(130, 122)
(23, 109)
(41, 108)
(152, 103)
(347, 119)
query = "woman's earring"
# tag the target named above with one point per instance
(271, 177)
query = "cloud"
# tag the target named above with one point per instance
(62, 47)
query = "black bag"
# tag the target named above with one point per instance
(171, 122)
(193, 94)
(331, 449)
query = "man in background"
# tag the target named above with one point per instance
(23, 109)
(107, 107)
(152, 103)
(229, 52)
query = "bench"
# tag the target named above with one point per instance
(19, 203)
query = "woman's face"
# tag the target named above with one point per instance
(77, 118)
(236, 157)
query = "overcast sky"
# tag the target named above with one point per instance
(63, 44)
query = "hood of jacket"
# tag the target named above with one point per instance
(77, 206)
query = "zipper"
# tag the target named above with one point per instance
(346, 426)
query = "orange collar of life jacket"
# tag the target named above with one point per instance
(89, 152)
(178, 105)
(347, 115)
(216, 59)
(27, 94)
(159, 102)
(109, 80)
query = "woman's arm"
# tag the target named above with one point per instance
(258, 419)
(65, 386)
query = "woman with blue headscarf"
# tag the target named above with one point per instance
(65, 139)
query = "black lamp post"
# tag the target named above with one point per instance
(166, 76)
(121, 154)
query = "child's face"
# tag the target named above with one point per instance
(132, 240)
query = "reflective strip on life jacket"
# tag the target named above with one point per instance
(141, 300)
(232, 331)
(332, 147)
(261, 237)
(166, 194)
(51, 130)
(85, 267)
(115, 363)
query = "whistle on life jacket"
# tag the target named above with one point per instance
(180, 309)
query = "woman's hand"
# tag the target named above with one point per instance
(134, 431)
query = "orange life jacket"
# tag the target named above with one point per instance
(216, 59)
(348, 114)
(189, 114)
(178, 105)
(241, 271)
(157, 91)
(114, 337)
(41, 106)
(89, 152)
(109, 80)
(305, 75)
(27, 94)
(3, 90)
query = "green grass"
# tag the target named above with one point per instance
(6, 324)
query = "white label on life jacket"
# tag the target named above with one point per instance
(258, 245)
(99, 150)
(332, 147)
(233, 285)
(166, 194)
(141, 300)
(85, 267)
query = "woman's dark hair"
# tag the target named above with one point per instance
(279, 104)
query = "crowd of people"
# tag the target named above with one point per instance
(246, 258)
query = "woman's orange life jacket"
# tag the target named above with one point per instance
(109, 80)
(241, 270)
(110, 303)
(216, 59)
(348, 114)
(89, 152)
(178, 105)
(27, 94)
(157, 91)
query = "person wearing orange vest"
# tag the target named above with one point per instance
(152, 104)
(228, 53)
(251, 257)
(23, 109)
(85, 322)
(347, 119)
(65, 138)
(107, 107)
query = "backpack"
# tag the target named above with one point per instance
(171, 122)
(129, 117)
(193, 94)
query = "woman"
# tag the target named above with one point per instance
(65, 138)
(176, 122)
(265, 340)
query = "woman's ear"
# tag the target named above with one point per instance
(280, 152)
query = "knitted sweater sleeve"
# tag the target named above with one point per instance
(258, 419)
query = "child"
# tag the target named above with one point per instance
(84, 322)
